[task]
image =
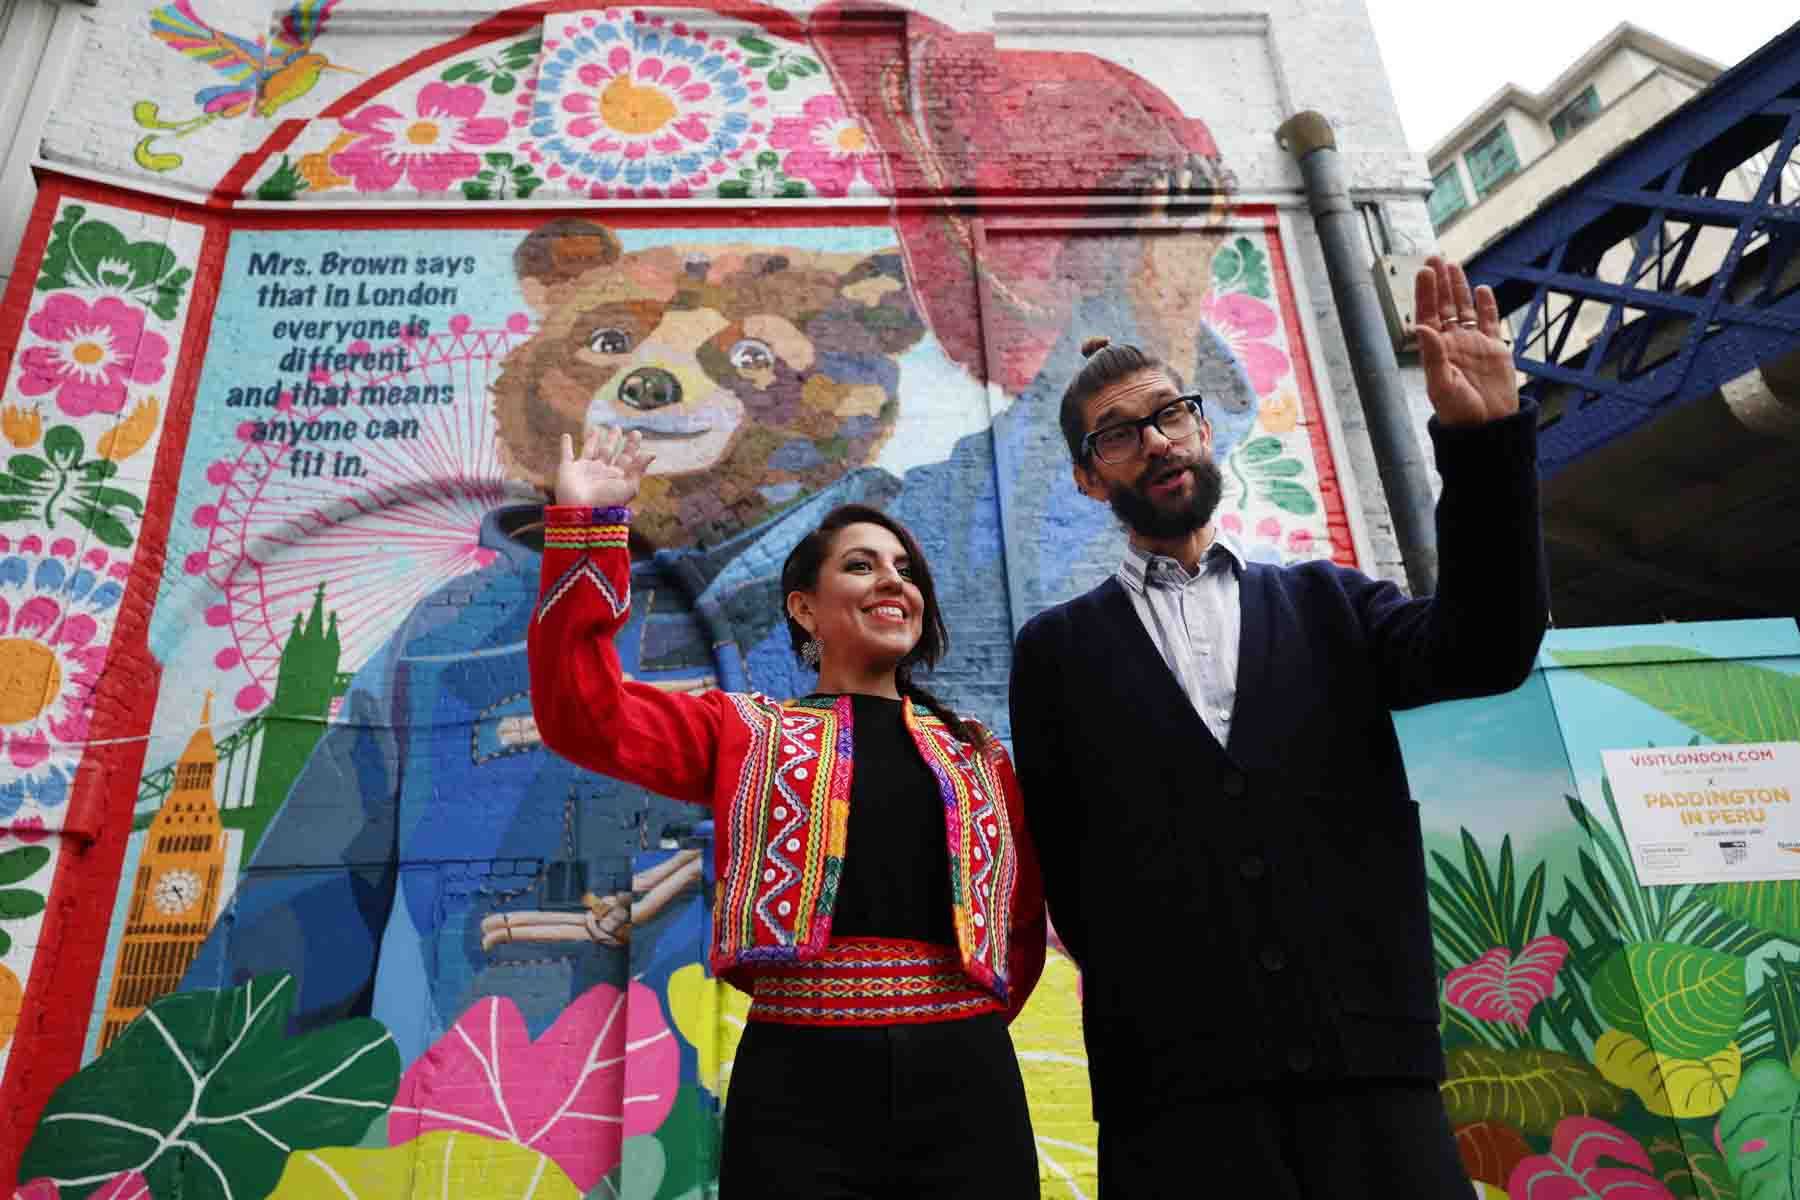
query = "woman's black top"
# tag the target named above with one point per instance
(896, 880)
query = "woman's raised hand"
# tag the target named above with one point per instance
(607, 472)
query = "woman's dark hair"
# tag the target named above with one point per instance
(1106, 365)
(800, 573)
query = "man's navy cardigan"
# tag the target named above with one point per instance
(1255, 914)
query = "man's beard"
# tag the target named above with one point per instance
(1140, 514)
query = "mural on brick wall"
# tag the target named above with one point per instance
(365, 934)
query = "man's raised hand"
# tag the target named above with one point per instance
(1469, 372)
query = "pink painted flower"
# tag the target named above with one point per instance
(1244, 321)
(94, 352)
(826, 147)
(606, 1069)
(433, 151)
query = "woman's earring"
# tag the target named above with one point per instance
(810, 652)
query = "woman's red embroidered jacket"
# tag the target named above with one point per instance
(776, 776)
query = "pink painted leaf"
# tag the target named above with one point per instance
(1573, 1171)
(605, 1070)
(1499, 987)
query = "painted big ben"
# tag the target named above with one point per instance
(177, 887)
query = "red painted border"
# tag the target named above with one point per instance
(513, 21)
(1343, 546)
(65, 972)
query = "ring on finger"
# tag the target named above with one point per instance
(1466, 322)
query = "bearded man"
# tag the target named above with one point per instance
(1215, 788)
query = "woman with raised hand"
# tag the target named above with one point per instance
(878, 897)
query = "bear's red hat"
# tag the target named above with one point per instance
(954, 116)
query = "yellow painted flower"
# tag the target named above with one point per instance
(22, 426)
(1669, 1087)
(1047, 1036)
(710, 1015)
(132, 434)
(1281, 412)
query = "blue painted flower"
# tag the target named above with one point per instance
(57, 607)
(632, 105)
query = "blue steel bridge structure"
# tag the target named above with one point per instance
(1655, 308)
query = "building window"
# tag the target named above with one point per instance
(1447, 196)
(1492, 159)
(1576, 113)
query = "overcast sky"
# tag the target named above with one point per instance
(1445, 58)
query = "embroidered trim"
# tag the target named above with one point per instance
(587, 537)
(871, 981)
(586, 569)
(983, 863)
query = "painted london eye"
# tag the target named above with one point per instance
(370, 479)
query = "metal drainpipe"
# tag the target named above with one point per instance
(1404, 480)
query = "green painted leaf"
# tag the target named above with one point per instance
(503, 83)
(284, 183)
(15, 510)
(1290, 497)
(1724, 701)
(734, 189)
(1777, 1001)
(689, 1136)
(99, 470)
(778, 80)
(1756, 1131)
(205, 1094)
(11, 485)
(104, 258)
(1691, 1167)
(755, 44)
(525, 187)
(58, 263)
(461, 70)
(63, 447)
(1258, 450)
(1281, 468)
(1682, 1001)
(16, 866)
(759, 63)
(476, 191)
(5, 941)
(438, 1164)
(499, 160)
(102, 524)
(1227, 263)
(17, 902)
(28, 466)
(1773, 905)
(110, 497)
(1530, 1090)
(1241, 267)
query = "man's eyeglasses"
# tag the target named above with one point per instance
(1120, 443)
